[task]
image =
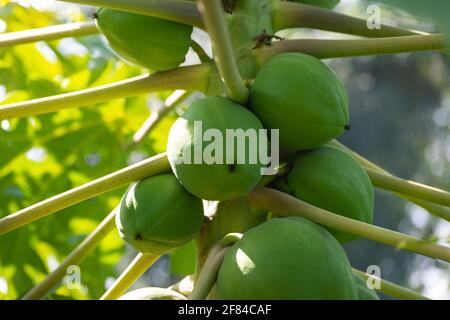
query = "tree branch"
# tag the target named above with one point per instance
(435, 209)
(77, 29)
(147, 168)
(392, 289)
(175, 10)
(214, 19)
(296, 15)
(74, 258)
(284, 204)
(324, 48)
(134, 271)
(187, 78)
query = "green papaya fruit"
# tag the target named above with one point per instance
(151, 42)
(152, 293)
(201, 156)
(157, 215)
(331, 179)
(303, 98)
(327, 4)
(364, 292)
(286, 259)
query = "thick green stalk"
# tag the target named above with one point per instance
(134, 271)
(214, 18)
(74, 258)
(296, 15)
(435, 209)
(409, 188)
(77, 29)
(187, 78)
(147, 168)
(392, 289)
(175, 10)
(324, 48)
(208, 275)
(284, 204)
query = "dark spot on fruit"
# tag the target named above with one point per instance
(228, 5)
(232, 167)
(265, 39)
(137, 237)
(347, 127)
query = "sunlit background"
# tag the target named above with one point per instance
(400, 117)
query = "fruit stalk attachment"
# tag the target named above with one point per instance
(214, 19)
(208, 275)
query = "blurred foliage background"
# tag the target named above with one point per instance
(400, 108)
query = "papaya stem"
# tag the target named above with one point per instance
(146, 168)
(202, 55)
(409, 188)
(77, 29)
(175, 10)
(208, 275)
(134, 271)
(296, 15)
(174, 100)
(327, 48)
(214, 19)
(392, 289)
(187, 78)
(435, 209)
(74, 258)
(286, 205)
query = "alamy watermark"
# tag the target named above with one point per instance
(374, 19)
(240, 146)
(374, 278)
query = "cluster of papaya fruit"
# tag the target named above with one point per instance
(277, 258)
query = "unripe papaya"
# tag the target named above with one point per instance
(327, 4)
(303, 98)
(364, 292)
(286, 259)
(151, 42)
(152, 293)
(201, 156)
(331, 179)
(157, 215)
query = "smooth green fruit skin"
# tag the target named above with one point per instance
(213, 181)
(365, 293)
(151, 42)
(286, 259)
(327, 4)
(331, 179)
(303, 98)
(152, 293)
(157, 215)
